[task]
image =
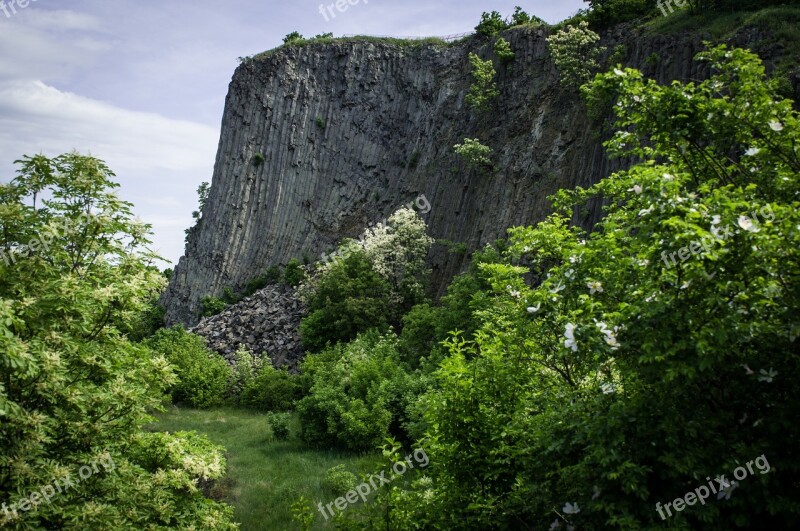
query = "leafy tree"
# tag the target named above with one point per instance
(203, 375)
(350, 297)
(491, 24)
(271, 389)
(370, 284)
(575, 53)
(520, 17)
(242, 375)
(73, 389)
(503, 51)
(292, 38)
(211, 306)
(474, 154)
(655, 352)
(483, 90)
(294, 273)
(360, 396)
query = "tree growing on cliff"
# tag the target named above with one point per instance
(575, 53)
(74, 391)
(483, 90)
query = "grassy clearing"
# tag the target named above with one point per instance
(265, 476)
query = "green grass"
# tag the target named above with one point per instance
(413, 43)
(264, 476)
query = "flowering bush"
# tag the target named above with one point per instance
(575, 53)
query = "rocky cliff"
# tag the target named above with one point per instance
(320, 140)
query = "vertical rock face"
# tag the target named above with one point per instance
(319, 141)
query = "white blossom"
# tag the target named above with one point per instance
(776, 126)
(767, 376)
(594, 287)
(747, 224)
(571, 508)
(752, 152)
(570, 341)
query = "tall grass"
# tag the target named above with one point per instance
(265, 476)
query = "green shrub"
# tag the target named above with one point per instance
(575, 53)
(337, 480)
(279, 425)
(502, 49)
(349, 298)
(203, 375)
(271, 389)
(483, 90)
(293, 37)
(491, 24)
(244, 371)
(474, 154)
(294, 273)
(620, 367)
(359, 397)
(210, 306)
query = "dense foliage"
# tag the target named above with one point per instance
(483, 90)
(74, 391)
(655, 352)
(203, 375)
(360, 393)
(370, 283)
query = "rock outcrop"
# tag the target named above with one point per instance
(265, 323)
(320, 140)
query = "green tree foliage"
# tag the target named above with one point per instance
(474, 154)
(483, 90)
(605, 13)
(575, 53)
(242, 375)
(271, 389)
(503, 51)
(294, 273)
(210, 306)
(203, 375)
(491, 24)
(350, 297)
(520, 17)
(293, 37)
(279, 425)
(370, 284)
(202, 198)
(73, 389)
(359, 396)
(655, 352)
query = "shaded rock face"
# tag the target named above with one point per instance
(265, 323)
(319, 141)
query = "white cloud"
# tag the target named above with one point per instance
(158, 161)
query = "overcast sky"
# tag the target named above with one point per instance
(142, 84)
